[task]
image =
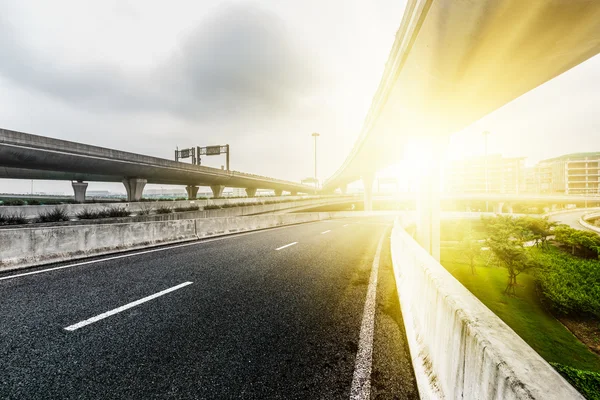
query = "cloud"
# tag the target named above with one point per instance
(241, 61)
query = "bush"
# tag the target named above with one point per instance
(115, 212)
(163, 209)
(34, 203)
(57, 214)
(88, 214)
(13, 202)
(12, 219)
(190, 208)
(571, 285)
(212, 207)
(586, 382)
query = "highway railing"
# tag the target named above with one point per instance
(459, 348)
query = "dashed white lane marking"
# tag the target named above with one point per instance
(287, 245)
(346, 225)
(361, 380)
(137, 253)
(123, 308)
(324, 232)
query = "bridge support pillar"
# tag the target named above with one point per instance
(367, 180)
(192, 191)
(79, 189)
(428, 198)
(509, 208)
(293, 193)
(343, 189)
(554, 207)
(251, 192)
(278, 192)
(134, 188)
(498, 207)
(217, 190)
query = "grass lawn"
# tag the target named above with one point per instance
(523, 313)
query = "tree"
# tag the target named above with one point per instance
(540, 228)
(470, 248)
(506, 240)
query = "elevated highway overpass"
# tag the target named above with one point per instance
(452, 63)
(26, 156)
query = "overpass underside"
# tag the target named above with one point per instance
(452, 63)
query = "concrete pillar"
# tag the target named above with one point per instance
(498, 207)
(294, 193)
(509, 208)
(135, 188)
(367, 180)
(251, 192)
(343, 189)
(428, 199)
(217, 190)
(278, 192)
(192, 191)
(554, 207)
(79, 189)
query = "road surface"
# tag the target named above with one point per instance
(571, 218)
(274, 314)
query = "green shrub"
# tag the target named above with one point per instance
(57, 214)
(33, 203)
(14, 202)
(212, 207)
(570, 284)
(163, 209)
(12, 219)
(89, 214)
(114, 212)
(586, 382)
(189, 208)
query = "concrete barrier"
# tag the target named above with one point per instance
(583, 221)
(459, 348)
(26, 247)
(134, 207)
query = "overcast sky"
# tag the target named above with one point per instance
(260, 76)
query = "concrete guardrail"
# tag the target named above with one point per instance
(584, 218)
(26, 247)
(459, 348)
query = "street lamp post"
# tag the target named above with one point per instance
(315, 135)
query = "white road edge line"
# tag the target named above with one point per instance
(137, 253)
(123, 308)
(287, 245)
(327, 231)
(361, 380)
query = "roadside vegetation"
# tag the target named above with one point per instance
(542, 279)
(60, 214)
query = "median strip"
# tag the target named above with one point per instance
(123, 308)
(287, 245)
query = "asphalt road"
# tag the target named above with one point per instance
(232, 318)
(571, 218)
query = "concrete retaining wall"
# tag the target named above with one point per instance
(459, 348)
(26, 247)
(134, 207)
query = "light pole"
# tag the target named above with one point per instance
(315, 135)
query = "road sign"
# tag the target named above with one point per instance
(213, 150)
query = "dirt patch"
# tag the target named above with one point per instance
(585, 329)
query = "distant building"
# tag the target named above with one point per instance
(504, 175)
(577, 173)
(538, 179)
